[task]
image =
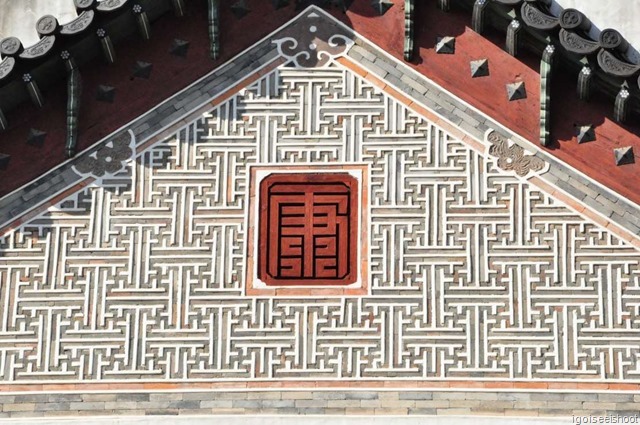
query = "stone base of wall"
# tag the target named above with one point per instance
(319, 403)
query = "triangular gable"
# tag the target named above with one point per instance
(471, 265)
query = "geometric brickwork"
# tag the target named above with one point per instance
(473, 273)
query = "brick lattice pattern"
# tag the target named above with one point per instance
(474, 273)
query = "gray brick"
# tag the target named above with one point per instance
(605, 200)
(457, 411)
(633, 412)
(615, 397)
(61, 406)
(546, 397)
(31, 398)
(216, 404)
(421, 411)
(414, 84)
(216, 85)
(607, 212)
(579, 397)
(529, 405)
(310, 411)
(310, 403)
(398, 83)
(184, 404)
(140, 127)
(387, 66)
(264, 395)
(555, 412)
(231, 396)
(355, 55)
(559, 171)
(329, 395)
(161, 412)
(370, 56)
(231, 68)
(171, 118)
(247, 404)
(481, 405)
(450, 99)
(151, 131)
(157, 404)
(551, 178)
(283, 411)
(380, 72)
(468, 116)
(624, 222)
(69, 176)
(358, 395)
(432, 96)
(477, 131)
(589, 190)
(449, 396)
(117, 405)
(36, 191)
(266, 57)
(7, 399)
(632, 216)
(442, 106)
(132, 397)
(416, 395)
(165, 397)
(283, 403)
(198, 396)
(24, 414)
(627, 406)
(482, 396)
(567, 187)
(514, 396)
(415, 94)
(96, 405)
(570, 405)
(99, 397)
(188, 97)
(53, 398)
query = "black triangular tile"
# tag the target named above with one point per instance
(381, 6)
(106, 94)
(585, 133)
(179, 47)
(240, 9)
(446, 45)
(142, 69)
(480, 68)
(280, 3)
(624, 155)
(36, 137)
(4, 160)
(516, 91)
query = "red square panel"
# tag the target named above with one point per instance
(308, 224)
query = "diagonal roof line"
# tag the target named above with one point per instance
(252, 61)
(199, 80)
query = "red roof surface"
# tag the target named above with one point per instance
(171, 74)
